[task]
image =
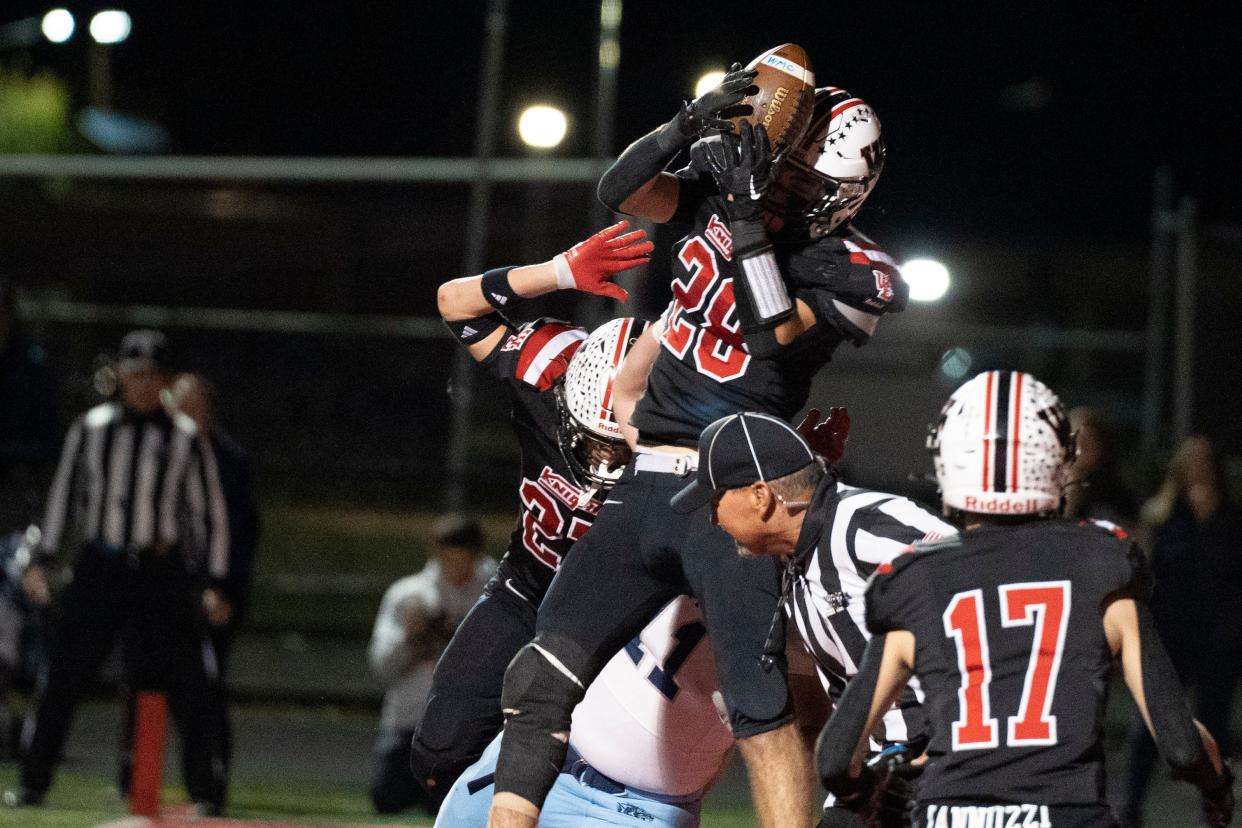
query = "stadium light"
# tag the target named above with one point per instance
(708, 82)
(58, 25)
(928, 279)
(110, 26)
(542, 126)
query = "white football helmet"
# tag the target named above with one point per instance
(588, 434)
(1002, 446)
(825, 178)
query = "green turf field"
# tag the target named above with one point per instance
(79, 800)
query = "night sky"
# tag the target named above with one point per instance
(1123, 87)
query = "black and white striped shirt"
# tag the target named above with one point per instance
(847, 533)
(129, 482)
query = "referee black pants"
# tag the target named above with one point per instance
(155, 607)
(638, 555)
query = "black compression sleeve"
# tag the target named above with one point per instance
(1172, 726)
(475, 329)
(834, 750)
(642, 161)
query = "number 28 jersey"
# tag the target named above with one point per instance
(704, 370)
(530, 361)
(1011, 655)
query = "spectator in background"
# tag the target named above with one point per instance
(137, 491)
(1094, 490)
(415, 622)
(28, 421)
(1193, 534)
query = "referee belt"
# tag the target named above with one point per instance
(662, 463)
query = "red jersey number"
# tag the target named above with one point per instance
(716, 341)
(542, 524)
(1043, 605)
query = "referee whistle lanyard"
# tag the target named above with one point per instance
(774, 645)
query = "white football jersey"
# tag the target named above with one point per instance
(650, 720)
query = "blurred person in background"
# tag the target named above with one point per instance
(1193, 533)
(137, 492)
(28, 420)
(416, 620)
(225, 608)
(21, 639)
(1095, 492)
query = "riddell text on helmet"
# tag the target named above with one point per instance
(996, 506)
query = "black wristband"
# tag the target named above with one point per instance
(470, 331)
(497, 290)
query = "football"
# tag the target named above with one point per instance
(786, 94)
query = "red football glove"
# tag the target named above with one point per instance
(589, 265)
(829, 437)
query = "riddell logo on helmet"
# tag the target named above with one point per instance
(996, 506)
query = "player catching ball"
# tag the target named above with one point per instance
(1011, 628)
(754, 317)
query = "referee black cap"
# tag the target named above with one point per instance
(739, 449)
(143, 350)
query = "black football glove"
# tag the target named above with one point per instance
(1218, 802)
(742, 167)
(710, 112)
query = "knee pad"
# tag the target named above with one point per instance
(437, 758)
(540, 693)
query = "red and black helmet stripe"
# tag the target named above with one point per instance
(1000, 466)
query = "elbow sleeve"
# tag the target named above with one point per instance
(1173, 728)
(641, 161)
(834, 750)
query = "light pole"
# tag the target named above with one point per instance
(107, 27)
(542, 128)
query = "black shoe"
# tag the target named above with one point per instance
(208, 809)
(23, 798)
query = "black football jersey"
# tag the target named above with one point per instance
(704, 371)
(530, 360)
(1011, 655)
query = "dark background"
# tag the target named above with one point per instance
(1023, 141)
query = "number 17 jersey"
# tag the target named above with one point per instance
(1011, 654)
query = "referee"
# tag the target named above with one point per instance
(138, 493)
(776, 496)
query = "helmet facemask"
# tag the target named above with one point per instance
(595, 462)
(589, 437)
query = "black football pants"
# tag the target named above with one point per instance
(463, 712)
(155, 607)
(638, 555)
